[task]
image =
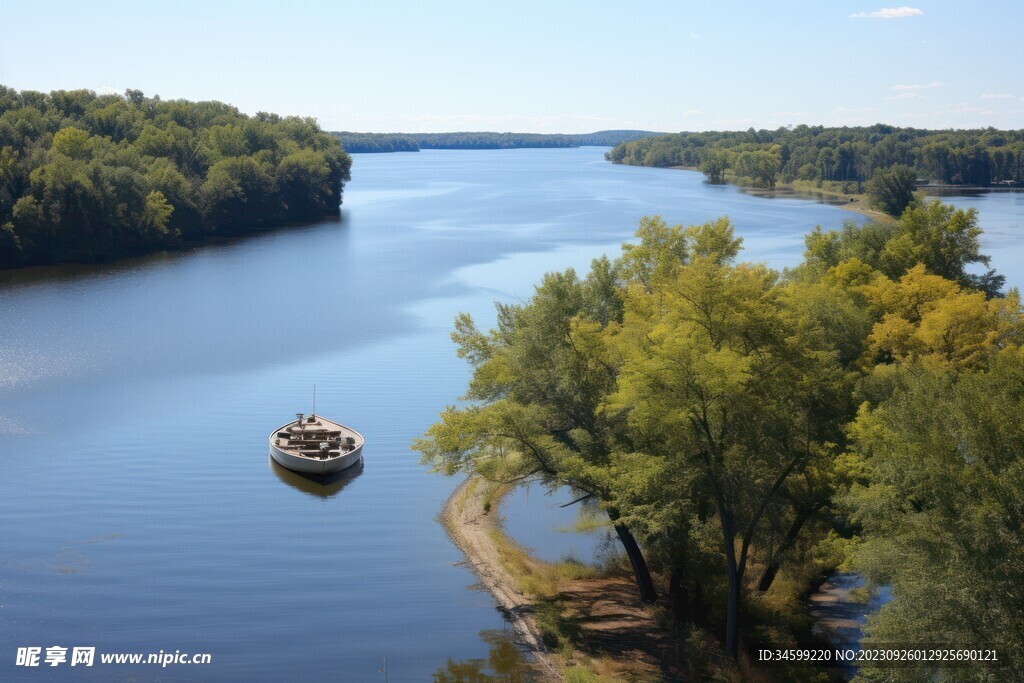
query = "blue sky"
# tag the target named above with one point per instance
(540, 66)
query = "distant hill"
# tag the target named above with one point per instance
(413, 142)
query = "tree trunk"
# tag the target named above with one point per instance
(732, 613)
(775, 563)
(732, 616)
(679, 596)
(700, 608)
(636, 558)
(768, 577)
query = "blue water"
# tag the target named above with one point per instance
(534, 517)
(140, 510)
(1001, 216)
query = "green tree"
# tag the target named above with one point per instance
(716, 373)
(761, 167)
(539, 380)
(86, 177)
(155, 214)
(892, 190)
(714, 166)
(72, 142)
(944, 239)
(304, 181)
(942, 510)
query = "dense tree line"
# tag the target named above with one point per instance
(375, 142)
(738, 424)
(815, 153)
(87, 177)
(412, 142)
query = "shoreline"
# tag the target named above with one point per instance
(475, 529)
(571, 623)
(164, 252)
(469, 526)
(850, 201)
(856, 203)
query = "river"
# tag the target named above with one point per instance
(140, 510)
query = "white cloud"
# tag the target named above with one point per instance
(855, 110)
(695, 36)
(996, 96)
(907, 96)
(694, 112)
(889, 13)
(108, 90)
(917, 86)
(778, 114)
(962, 108)
(733, 124)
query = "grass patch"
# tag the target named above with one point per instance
(558, 631)
(587, 522)
(578, 674)
(534, 577)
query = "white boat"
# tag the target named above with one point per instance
(315, 445)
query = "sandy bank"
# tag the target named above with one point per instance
(615, 634)
(470, 529)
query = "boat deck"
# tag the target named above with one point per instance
(316, 437)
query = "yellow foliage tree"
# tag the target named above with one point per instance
(928, 318)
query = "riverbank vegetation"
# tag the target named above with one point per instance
(569, 616)
(413, 142)
(981, 158)
(87, 177)
(748, 431)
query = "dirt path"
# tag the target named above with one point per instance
(615, 624)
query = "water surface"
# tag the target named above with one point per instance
(556, 525)
(140, 509)
(1001, 216)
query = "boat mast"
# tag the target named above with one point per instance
(314, 401)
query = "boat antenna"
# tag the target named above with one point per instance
(314, 401)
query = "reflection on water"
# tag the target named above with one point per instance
(320, 485)
(505, 663)
(840, 607)
(840, 610)
(555, 525)
(789, 193)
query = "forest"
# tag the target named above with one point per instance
(87, 177)
(413, 142)
(982, 157)
(748, 431)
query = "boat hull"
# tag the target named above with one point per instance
(311, 466)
